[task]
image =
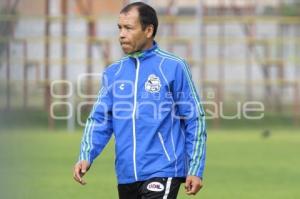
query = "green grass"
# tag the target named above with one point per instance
(241, 164)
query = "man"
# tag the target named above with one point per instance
(149, 102)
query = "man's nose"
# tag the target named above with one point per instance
(122, 34)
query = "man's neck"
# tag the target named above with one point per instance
(148, 45)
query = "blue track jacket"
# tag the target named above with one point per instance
(150, 104)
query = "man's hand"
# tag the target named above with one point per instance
(79, 170)
(192, 185)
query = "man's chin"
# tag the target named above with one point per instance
(127, 50)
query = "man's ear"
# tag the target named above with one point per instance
(149, 31)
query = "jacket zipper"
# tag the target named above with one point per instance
(134, 116)
(163, 145)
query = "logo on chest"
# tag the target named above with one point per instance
(153, 85)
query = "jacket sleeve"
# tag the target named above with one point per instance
(191, 114)
(98, 128)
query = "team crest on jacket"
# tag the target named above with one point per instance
(152, 85)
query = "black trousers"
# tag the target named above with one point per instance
(154, 188)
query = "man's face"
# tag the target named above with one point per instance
(131, 36)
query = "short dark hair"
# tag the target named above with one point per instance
(147, 15)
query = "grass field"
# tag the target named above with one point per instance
(36, 164)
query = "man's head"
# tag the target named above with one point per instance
(137, 25)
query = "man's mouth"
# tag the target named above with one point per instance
(124, 43)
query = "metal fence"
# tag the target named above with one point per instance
(236, 54)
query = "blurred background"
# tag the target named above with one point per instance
(245, 60)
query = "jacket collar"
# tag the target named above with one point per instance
(145, 53)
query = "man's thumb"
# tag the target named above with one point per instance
(187, 182)
(84, 166)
